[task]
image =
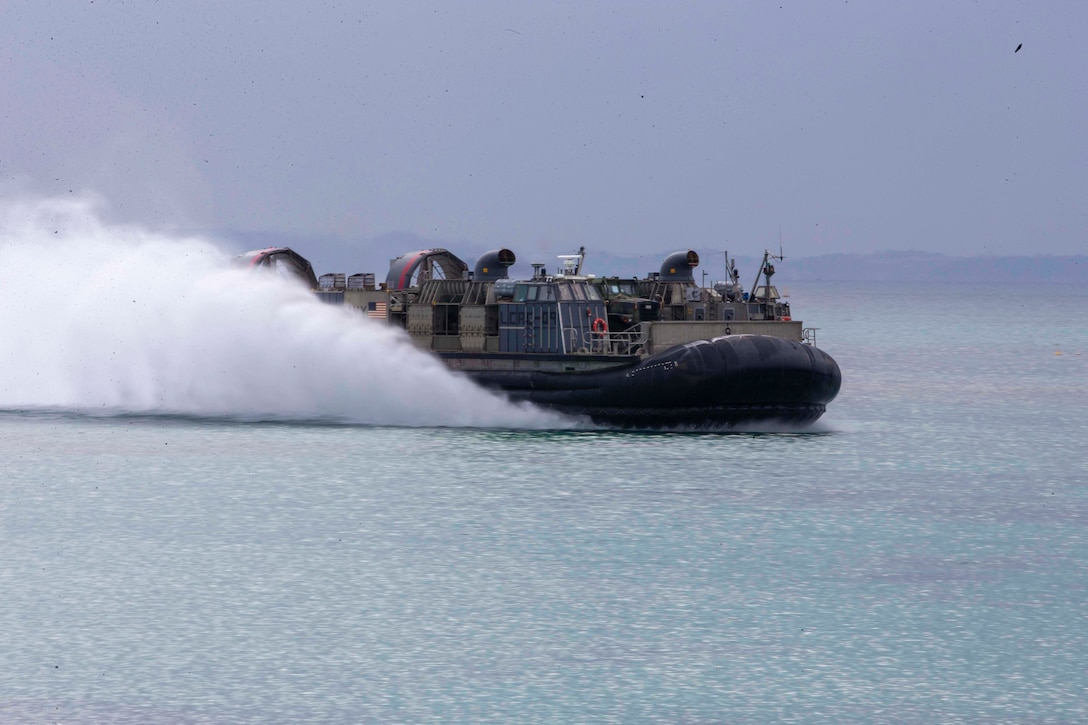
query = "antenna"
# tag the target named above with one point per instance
(766, 269)
(572, 263)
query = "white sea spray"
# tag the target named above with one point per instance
(120, 318)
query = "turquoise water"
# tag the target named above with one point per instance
(918, 556)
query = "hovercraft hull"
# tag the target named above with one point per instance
(658, 352)
(727, 381)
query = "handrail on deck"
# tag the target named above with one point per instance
(628, 342)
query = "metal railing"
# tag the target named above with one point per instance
(628, 342)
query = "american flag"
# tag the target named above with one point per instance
(376, 310)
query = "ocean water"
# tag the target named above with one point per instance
(220, 502)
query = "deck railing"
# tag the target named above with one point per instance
(628, 342)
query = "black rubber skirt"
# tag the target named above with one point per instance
(728, 381)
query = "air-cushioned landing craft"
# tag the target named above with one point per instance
(646, 353)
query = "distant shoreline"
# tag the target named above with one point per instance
(929, 267)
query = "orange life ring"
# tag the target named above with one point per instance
(600, 326)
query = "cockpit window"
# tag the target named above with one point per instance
(553, 292)
(534, 293)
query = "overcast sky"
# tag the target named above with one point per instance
(638, 126)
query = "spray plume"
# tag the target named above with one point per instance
(116, 318)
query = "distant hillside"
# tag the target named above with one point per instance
(373, 255)
(928, 267)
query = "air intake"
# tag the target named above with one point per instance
(493, 265)
(678, 267)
